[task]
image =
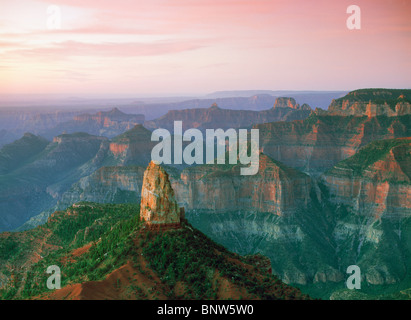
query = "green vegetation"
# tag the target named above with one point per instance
(369, 154)
(8, 248)
(112, 235)
(188, 255)
(134, 134)
(109, 229)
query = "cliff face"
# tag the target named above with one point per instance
(158, 205)
(275, 188)
(132, 147)
(119, 184)
(284, 102)
(376, 181)
(247, 213)
(373, 195)
(320, 141)
(373, 102)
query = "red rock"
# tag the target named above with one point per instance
(117, 148)
(372, 103)
(319, 142)
(275, 188)
(382, 188)
(158, 207)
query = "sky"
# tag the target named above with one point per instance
(191, 47)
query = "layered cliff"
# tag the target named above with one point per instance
(376, 181)
(373, 102)
(118, 184)
(319, 142)
(372, 194)
(132, 147)
(275, 188)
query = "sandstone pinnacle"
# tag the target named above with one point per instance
(158, 204)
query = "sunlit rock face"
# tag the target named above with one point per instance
(158, 204)
(376, 181)
(372, 103)
(275, 188)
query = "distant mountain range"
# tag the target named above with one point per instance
(108, 124)
(57, 116)
(284, 109)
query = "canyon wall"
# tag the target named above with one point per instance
(376, 181)
(373, 102)
(319, 142)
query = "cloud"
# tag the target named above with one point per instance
(109, 49)
(67, 75)
(210, 43)
(93, 29)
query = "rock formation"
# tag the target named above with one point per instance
(275, 188)
(321, 141)
(158, 206)
(372, 102)
(132, 147)
(284, 102)
(376, 181)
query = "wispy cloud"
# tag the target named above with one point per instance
(129, 49)
(207, 44)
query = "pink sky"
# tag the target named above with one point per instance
(172, 47)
